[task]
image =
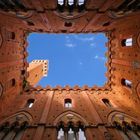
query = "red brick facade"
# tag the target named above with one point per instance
(102, 113)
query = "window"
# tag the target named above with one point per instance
(23, 72)
(10, 35)
(60, 134)
(30, 103)
(68, 24)
(71, 2)
(127, 42)
(60, 2)
(81, 2)
(13, 82)
(72, 133)
(107, 102)
(81, 135)
(68, 103)
(126, 83)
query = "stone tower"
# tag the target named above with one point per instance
(37, 69)
(111, 112)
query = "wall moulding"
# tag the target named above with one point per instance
(1, 89)
(1, 40)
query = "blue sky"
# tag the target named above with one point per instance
(74, 59)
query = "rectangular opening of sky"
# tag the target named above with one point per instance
(74, 59)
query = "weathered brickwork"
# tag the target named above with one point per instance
(103, 113)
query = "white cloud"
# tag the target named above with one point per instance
(99, 58)
(92, 45)
(67, 37)
(84, 38)
(69, 42)
(70, 45)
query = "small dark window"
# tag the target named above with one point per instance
(30, 103)
(68, 24)
(126, 83)
(107, 102)
(106, 24)
(22, 72)
(30, 23)
(68, 103)
(127, 42)
(12, 35)
(63, 31)
(13, 82)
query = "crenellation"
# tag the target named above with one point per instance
(110, 112)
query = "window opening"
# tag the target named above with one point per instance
(30, 103)
(60, 134)
(13, 82)
(107, 102)
(68, 103)
(71, 2)
(60, 2)
(127, 42)
(81, 135)
(126, 83)
(81, 2)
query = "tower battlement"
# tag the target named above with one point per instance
(45, 64)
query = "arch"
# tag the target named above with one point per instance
(126, 125)
(71, 124)
(24, 15)
(138, 39)
(113, 113)
(56, 121)
(20, 114)
(19, 120)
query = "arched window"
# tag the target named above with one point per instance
(81, 135)
(60, 135)
(127, 42)
(30, 103)
(126, 83)
(68, 103)
(71, 132)
(107, 102)
(71, 2)
(60, 2)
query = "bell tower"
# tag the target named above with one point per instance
(37, 69)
